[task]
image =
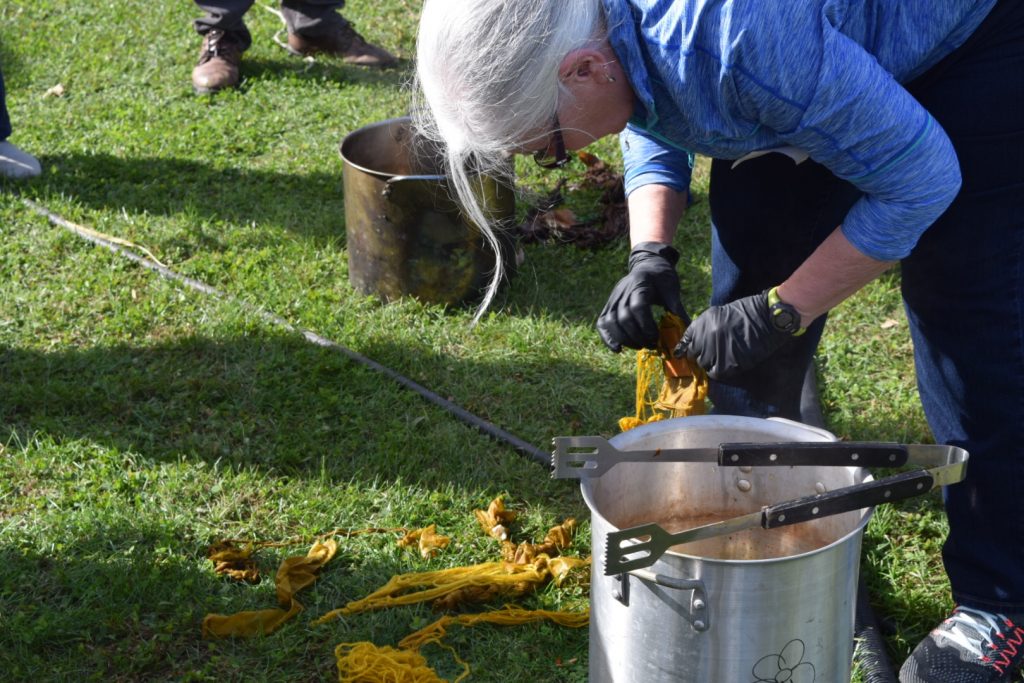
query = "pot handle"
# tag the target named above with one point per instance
(389, 184)
(699, 613)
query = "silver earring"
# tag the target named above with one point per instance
(607, 75)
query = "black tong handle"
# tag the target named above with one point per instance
(869, 494)
(821, 454)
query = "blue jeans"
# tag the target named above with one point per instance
(5, 119)
(962, 286)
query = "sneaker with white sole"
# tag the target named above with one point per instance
(15, 163)
(971, 646)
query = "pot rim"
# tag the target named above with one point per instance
(364, 130)
(732, 421)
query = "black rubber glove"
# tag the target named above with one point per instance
(729, 340)
(627, 319)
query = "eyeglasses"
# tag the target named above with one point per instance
(559, 158)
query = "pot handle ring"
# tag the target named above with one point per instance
(699, 613)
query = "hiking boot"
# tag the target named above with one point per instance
(218, 62)
(14, 163)
(971, 646)
(342, 41)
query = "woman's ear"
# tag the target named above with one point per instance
(580, 65)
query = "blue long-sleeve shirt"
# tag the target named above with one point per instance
(724, 78)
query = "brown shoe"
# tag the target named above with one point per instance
(345, 42)
(218, 62)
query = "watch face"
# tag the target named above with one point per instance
(785, 318)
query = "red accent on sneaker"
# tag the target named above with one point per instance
(1009, 650)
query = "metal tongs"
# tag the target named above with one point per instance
(579, 457)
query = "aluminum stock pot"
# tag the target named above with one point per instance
(753, 606)
(726, 549)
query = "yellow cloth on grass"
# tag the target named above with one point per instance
(294, 574)
(683, 389)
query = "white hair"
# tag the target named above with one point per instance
(486, 82)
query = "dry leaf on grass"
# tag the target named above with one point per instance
(549, 221)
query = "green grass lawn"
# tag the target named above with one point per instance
(141, 420)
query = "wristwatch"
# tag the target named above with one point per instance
(784, 317)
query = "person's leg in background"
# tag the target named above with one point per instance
(5, 118)
(768, 214)
(225, 38)
(963, 286)
(14, 163)
(316, 26)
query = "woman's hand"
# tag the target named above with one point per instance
(729, 340)
(627, 318)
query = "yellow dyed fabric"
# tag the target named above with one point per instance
(230, 560)
(426, 539)
(294, 574)
(495, 520)
(683, 387)
(557, 539)
(527, 566)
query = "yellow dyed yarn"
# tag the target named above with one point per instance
(369, 663)
(508, 616)
(502, 577)
(684, 386)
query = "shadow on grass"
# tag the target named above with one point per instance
(564, 282)
(276, 401)
(904, 615)
(556, 280)
(213, 197)
(322, 68)
(91, 607)
(310, 204)
(10, 65)
(125, 602)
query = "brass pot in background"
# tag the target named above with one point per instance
(406, 235)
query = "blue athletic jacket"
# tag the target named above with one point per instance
(724, 78)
